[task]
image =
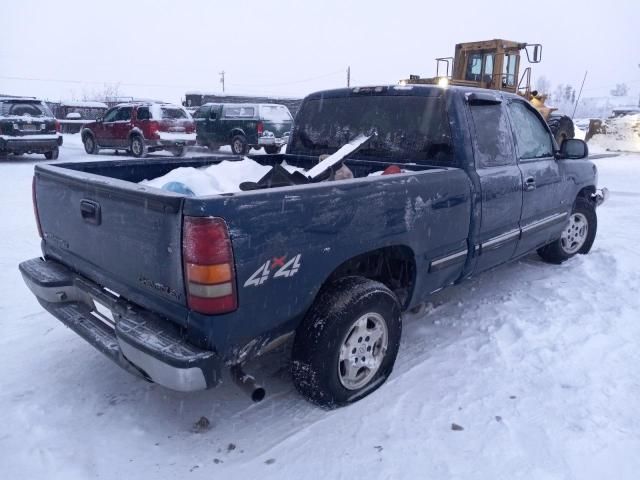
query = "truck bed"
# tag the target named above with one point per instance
(127, 238)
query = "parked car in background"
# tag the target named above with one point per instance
(28, 126)
(72, 115)
(140, 128)
(243, 126)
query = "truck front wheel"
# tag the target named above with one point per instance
(347, 344)
(578, 234)
(138, 147)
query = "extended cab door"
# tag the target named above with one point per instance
(544, 206)
(500, 181)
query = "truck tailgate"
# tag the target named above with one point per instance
(123, 237)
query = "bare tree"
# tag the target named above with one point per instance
(107, 93)
(543, 85)
(621, 90)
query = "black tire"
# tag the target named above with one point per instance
(53, 154)
(271, 149)
(239, 145)
(179, 151)
(256, 148)
(562, 128)
(138, 146)
(90, 144)
(317, 369)
(556, 252)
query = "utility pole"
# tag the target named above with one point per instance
(222, 80)
(348, 77)
(579, 94)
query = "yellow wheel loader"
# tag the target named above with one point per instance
(495, 64)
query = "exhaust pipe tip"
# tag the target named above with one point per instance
(247, 384)
(258, 394)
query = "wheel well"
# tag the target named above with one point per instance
(587, 193)
(85, 133)
(393, 266)
(236, 132)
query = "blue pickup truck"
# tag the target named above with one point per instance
(177, 289)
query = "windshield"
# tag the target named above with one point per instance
(275, 113)
(28, 109)
(404, 127)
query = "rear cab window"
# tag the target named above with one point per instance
(275, 113)
(407, 128)
(492, 140)
(169, 112)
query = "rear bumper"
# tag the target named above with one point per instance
(271, 140)
(30, 143)
(138, 340)
(169, 139)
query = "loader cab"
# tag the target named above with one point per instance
(492, 64)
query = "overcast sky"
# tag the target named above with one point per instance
(160, 49)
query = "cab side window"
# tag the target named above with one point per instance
(493, 142)
(143, 113)
(110, 116)
(124, 114)
(532, 137)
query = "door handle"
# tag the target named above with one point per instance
(90, 212)
(529, 184)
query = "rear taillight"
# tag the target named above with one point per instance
(208, 265)
(57, 126)
(35, 206)
(260, 127)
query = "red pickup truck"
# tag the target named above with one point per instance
(140, 128)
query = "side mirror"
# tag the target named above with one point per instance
(573, 149)
(534, 53)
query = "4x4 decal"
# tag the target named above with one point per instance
(284, 269)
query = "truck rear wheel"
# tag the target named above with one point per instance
(271, 149)
(238, 145)
(347, 345)
(53, 154)
(577, 236)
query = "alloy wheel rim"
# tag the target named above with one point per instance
(136, 147)
(575, 233)
(362, 351)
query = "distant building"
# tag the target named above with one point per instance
(195, 99)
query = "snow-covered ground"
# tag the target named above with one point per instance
(539, 364)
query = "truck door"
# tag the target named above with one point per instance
(122, 127)
(104, 131)
(545, 208)
(500, 181)
(214, 124)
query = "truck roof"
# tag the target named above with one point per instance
(411, 90)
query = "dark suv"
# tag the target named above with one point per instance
(28, 126)
(243, 125)
(140, 128)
